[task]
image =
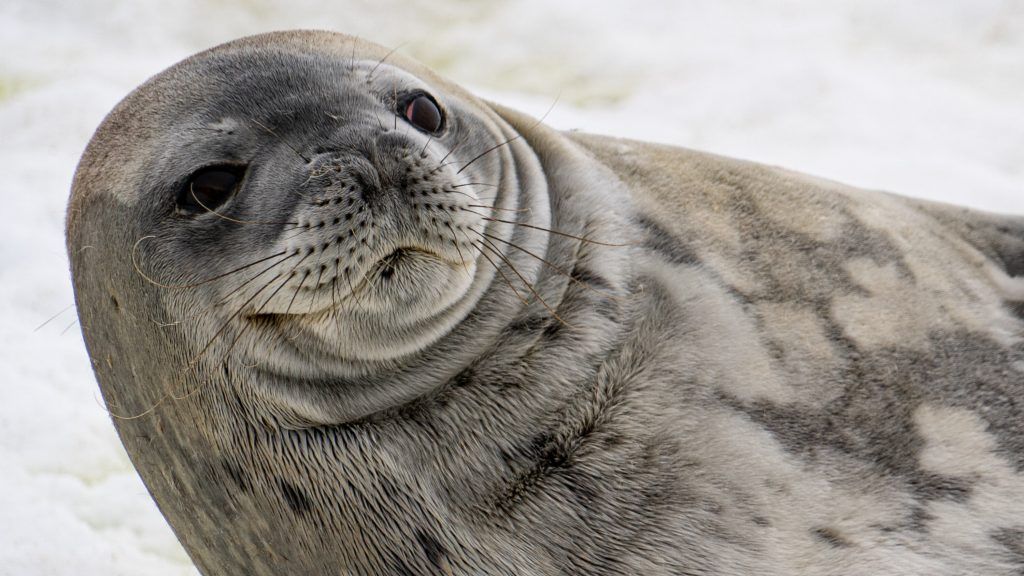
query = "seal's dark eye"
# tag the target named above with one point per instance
(209, 188)
(423, 113)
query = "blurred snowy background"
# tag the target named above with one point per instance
(922, 97)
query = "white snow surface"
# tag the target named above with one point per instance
(921, 97)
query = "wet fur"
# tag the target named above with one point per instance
(769, 375)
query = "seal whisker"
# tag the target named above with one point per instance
(209, 210)
(552, 231)
(291, 274)
(145, 412)
(473, 184)
(221, 301)
(470, 196)
(316, 289)
(283, 141)
(54, 317)
(512, 139)
(455, 242)
(394, 102)
(486, 152)
(551, 265)
(68, 327)
(191, 364)
(440, 163)
(517, 210)
(298, 289)
(245, 327)
(501, 273)
(381, 61)
(305, 230)
(526, 282)
(337, 268)
(135, 264)
(367, 281)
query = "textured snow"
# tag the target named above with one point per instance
(922, 97)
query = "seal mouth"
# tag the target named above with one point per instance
(385, 266)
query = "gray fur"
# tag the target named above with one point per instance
(767, 374)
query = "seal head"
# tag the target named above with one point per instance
(299, 231)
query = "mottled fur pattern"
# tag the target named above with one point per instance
(718, 368)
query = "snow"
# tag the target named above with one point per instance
(923, 97)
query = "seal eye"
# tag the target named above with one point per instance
(209, 188)
(423, 113)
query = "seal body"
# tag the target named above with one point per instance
(350, 319)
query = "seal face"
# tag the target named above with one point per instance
(350, 319)
(364, 229)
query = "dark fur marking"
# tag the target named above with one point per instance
(608, 308)
(587, 276)
(296, 498)
(665, 244)
(1017, 307)
(463, 379)
(830, 536)
(1013, 540)
(1001, 238)
(529, 324)
(873, 419)
(548, 452)
(403, 569)
(795, 267)
(1004, 240)
(238, 476)
(1014, 265)
(552, 329)
(436, 553)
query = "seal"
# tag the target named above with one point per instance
(350, 319)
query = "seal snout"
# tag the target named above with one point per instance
(386, 215)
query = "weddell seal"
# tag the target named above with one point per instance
(350, 319)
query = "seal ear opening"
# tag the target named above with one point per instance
(209, 188)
